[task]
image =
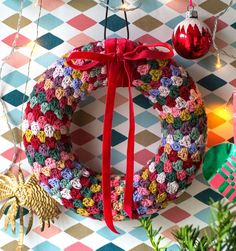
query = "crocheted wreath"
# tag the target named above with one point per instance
(112, 63)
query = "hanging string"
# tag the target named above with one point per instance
(4, 108)
(128, 5)
(106, 20)
(14, 46)
(220, 51)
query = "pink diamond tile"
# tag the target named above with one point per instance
(84, 155)
(80, 39)
(233, 82)
(143, 156)
(81, 22)
(210, 22)
(48, 231)
(52, 5)
(10, 152)
(119, 99)
(21, 41)
(147, 39)
(78, 246)
(17, 60)
(175, 214)
(178, 5)
(81, 137)
(168, 232)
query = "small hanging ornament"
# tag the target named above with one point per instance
(191, 38)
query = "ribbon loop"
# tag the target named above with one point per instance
(118, 56)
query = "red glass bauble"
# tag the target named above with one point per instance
(192, 38)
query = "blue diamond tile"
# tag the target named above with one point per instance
(15, 117)
(49, 22)
(233, 44)
(108, 234)
(46, 59)
(142, 101)
(15, 78)
(15, 98)
(114, 23)
(74, 215)
(211, 82)
(174, 247)
(116, 156)
(183, 61)
(209, 63)
(87, 101)
(46, 245)
(9, 231)
(233, 25)
(117, 119)
(117, 138)
(15, 5)
(146, 119)
(204, 215)
(173, 22)
(150, 5)
(139, 233)
(207, 195)
(110, 247)
(49, 41)
(234, 6)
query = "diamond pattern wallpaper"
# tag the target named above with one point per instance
(65, 24)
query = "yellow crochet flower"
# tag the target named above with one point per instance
(162, 62)
(99, 177)
(167, 148)
(48, 84)
(84, 87)
(183, 154)
(41, 136)
(117, 206)
(169, 118)
(28, 135)
(82, 212)
(153, 187)
(95, 188)
(196, 157)
(60, 164)
(57, 135)
(145, 174)
(70, 100)
(199, 110)
(161, 197)
(41, 78)
(76, 74)
(185, 115)
(66, 55)
(118, 217)
(46, 170)
(146, 87)
(88, 202)
(156, 74)
(59, 93)
(164, 204)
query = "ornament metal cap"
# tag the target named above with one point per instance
(191, 14)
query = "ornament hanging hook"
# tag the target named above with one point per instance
(106, 20)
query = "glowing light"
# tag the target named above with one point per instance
(218, 64)
(124, 6)
(224, 112)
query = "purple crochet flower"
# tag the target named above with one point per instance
(69, 91)
(154, 92)
(43, 149)
(166, 81)
(67, 71)
(175, 70)
(60, 61)
(144, 183)
(142, 210)
(137, 196)
(136, 184)
(30, 151)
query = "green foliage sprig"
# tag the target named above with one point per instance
(222, 236)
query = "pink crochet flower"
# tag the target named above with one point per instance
(168, 166)
(143, 69)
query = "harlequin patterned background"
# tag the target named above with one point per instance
(65, 24)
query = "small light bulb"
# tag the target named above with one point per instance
(124, 6)
(218, 64)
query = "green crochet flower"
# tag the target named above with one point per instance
(39, 158)
(178, 165)
(33, 93)
(55, 154)
(194, 135)
(33, 102)
(31, 160)
(56, 192)
(190, 171)
(76, 173)
(41, 97)
(93, 179)
(59, 113)
(87, 47)
(95, 71)
(153, 63)
(98, 216)
(68, 110)
(177, 123)
(54, 104)
(78, 204)
(185, 81)
(146, 78)
(100, 204)
(159, 167)
(182, 184)
(65, 183)
(86, 192)
(170, 177)
(177, 135)
(174, 91)
(164, 157)
(45, 107)
(161, 100)
(193, 120)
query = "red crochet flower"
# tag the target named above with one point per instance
(55, 173)
(50, 142)
(51, 117)
(173, 157)
(170, 101)
(184, 92)
(67, 203)
(37, 112)
(28, 108)
(69, 163)
(75, 194)
(35, 142)
(84, 181)
(188, 163)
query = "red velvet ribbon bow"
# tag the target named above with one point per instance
(119, 56)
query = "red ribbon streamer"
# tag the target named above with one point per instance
(119, 54)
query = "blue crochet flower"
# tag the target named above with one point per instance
(137, 196)
(175, 70)
(54, 183)
(176, 146)
(166, 81)
(67, 71)
(67, 174)
(142, 210)
(154, 92)
(193, 148)
(45, 187)
(60, 61)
